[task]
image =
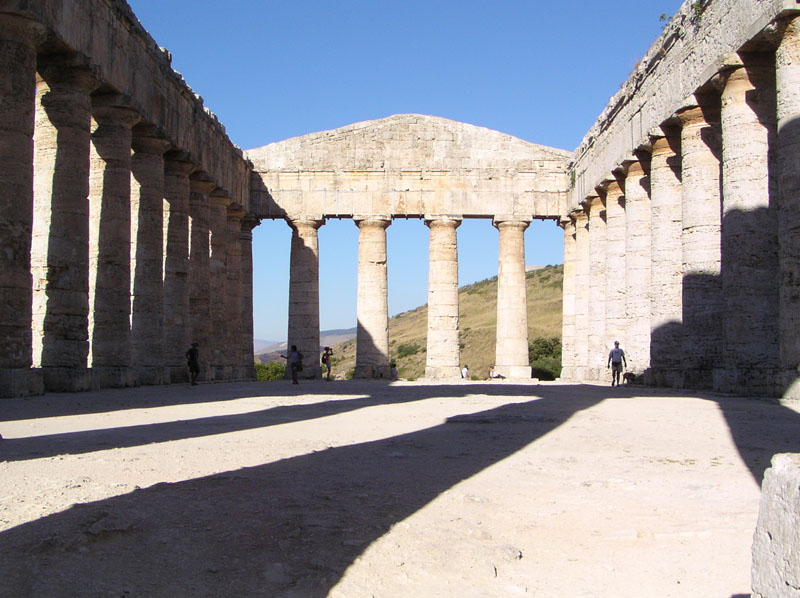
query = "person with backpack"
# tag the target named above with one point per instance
(295, 362)
(326, 360)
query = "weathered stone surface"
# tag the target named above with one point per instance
(304, 295)
(442, 359)
(597, 295)
(776, 542)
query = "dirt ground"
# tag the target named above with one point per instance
(361, 489)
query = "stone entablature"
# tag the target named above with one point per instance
(695, 46)
(409, 165)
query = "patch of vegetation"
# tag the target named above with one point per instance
(405, 350)
(544, 355)
(269, 372)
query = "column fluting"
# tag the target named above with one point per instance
(616, 288)
(596, 370)
(304, 294)
(568, 302)
(218, 285)
(582, 260)
(200, 325)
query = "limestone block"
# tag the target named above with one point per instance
(776, 542)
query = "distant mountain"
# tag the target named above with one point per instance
(260, 344)
(327, 338)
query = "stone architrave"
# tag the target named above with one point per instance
(218, 349)
(18, 41)
(787, 75)
(177, 321)
(60, 252)
(750, 291)
(247, 364)
(581, 294)
(372, 310)
(615, 291)
(110, 243)
(666, 311)
(147, 239)
(700, 239)
(443, 352)
(304, 294)
(597, 290)
(201, 325)
(637, 268)
(511, 352)
(233, 291)
(568, 302)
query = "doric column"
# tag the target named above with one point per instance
(372, 335)
(18, 40)
(60, 254)
(233, 291)
(582, 260)
(700, 238)
(246, 342)
(200, 324)
(568, 302)
(177, 321)
(597, 289)
(511, 352)
(615, 291)
(637, 268)
(110, 243)
(666, 308)
(443, 354)
(750, 289)
(787, 74)
(147, 251)
(218, 281)
(304, 294)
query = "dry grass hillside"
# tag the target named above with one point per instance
(478, 321)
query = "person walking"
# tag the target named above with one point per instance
(616, 357)
(326, 360)
(295, 362)
(193, 361)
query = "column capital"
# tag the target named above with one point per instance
(112, 109)
(505, 221)
(145, 140)
(305, 222)
(450, 221)
(219, 197)
(177, 163)
(199, 182)
(375, 221)
(63, 73)
(664, 144)
(20, 29)
(236, 212)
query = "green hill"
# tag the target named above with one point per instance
(478, 322)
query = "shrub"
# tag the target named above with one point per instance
(274, 370)
(544, 355)
(407, 349)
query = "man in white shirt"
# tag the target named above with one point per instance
(616, 358)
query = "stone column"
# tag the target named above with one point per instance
(372, 335)
(443, 353)
(177, 321)
(637, 268)
(233, 292)
(246, 342)
(304, 294)
(787, 74)
(218, 281)
(596, 370)
(511, 353)
(147, 256)
(110, 243)
(615, 291)
(201, 326)
(581, 295)
(18, 40)
(568, 303)
(666, 334)
(700, 239)
(750, 289)
(60, 254)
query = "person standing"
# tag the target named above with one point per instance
(326, 360)
(193, 361)
(616, 357)
(295, 362)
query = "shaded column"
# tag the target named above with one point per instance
(615, 291)
(750, 290)
(787, 74)
(568, 302)
(147, 251)
(666, 329)
(597, 290)
(110, 243)
(60, 252)
(511, 352)
(218, 283)
(304, 294)
(700, 239)
(177, 324)
(637, 268)
(18, 40)
(246, 341)
(233, 292)
(201, 328)
(443, 353)
(581, 294)
(372, 334)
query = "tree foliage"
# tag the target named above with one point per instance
(544, 356)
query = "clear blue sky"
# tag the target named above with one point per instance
(541, 71)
